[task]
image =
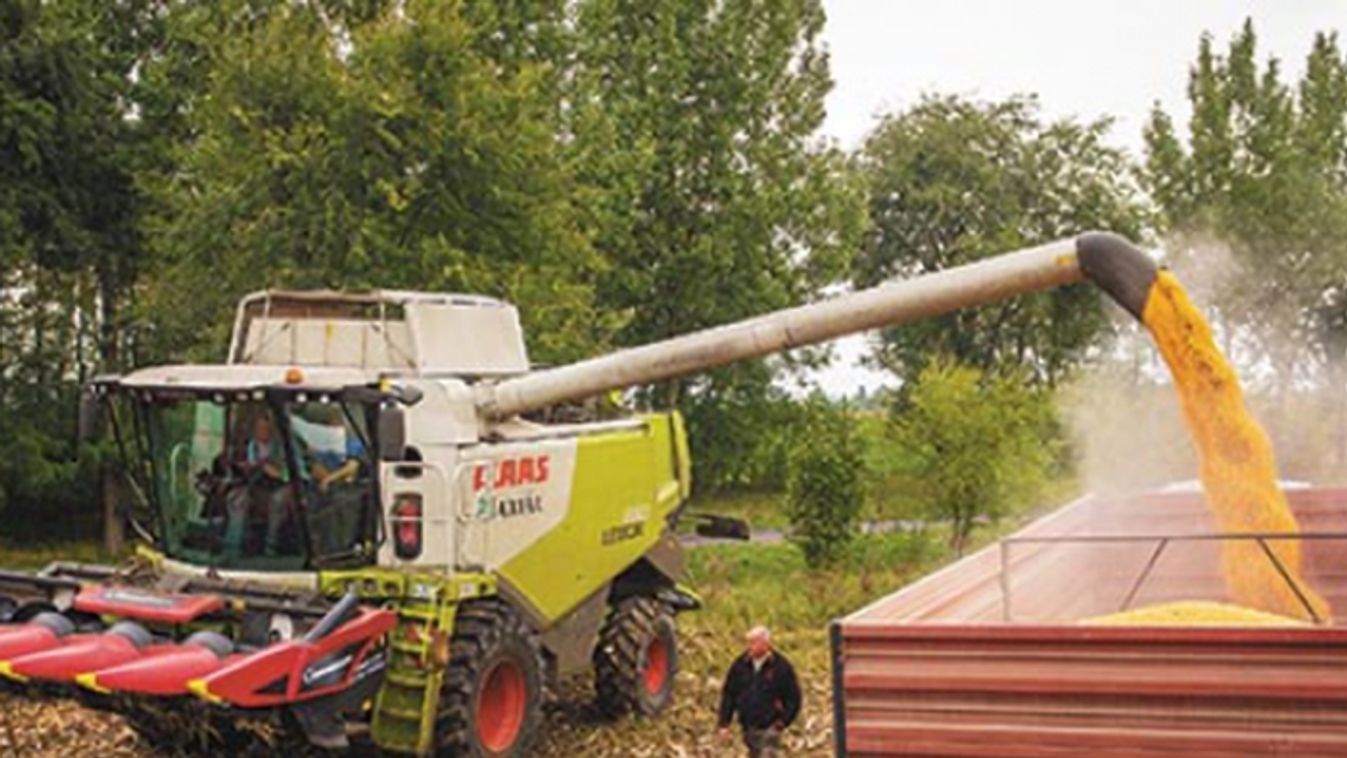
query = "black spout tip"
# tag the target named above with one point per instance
(1119, 268)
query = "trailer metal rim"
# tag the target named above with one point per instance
(501, 706)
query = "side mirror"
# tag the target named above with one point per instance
(89, 424)
(392, 431)
(722, 527)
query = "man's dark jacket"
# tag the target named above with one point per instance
(767, 697)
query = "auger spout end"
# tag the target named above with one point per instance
(1118, 267)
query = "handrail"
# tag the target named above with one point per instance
(1162, 543)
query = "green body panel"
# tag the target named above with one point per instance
(626, 486)
(399, 586)
(682, 453)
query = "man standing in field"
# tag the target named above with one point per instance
(762, 690)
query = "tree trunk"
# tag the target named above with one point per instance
(109, 352)
(960, 525)
(109, 356)
(114, 523)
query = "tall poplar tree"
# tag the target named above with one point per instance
(714, 198)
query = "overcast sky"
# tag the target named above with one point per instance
(1087, 58)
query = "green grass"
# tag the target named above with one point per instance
(35, 556)
(747, 584)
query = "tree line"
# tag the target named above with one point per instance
(623, 171)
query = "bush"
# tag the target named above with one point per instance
(825, 488)
(740, 428)
(978, 445)
(48, 488)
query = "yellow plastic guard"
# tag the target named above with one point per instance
(7, 672)
(89, 681)
(198, 687)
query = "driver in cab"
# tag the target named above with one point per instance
(263, 466)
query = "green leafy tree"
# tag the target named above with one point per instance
(825, 486)
(695, 130)
(752, 424)
(67, 194)
(394, 154)
(952, 181)
(977, 444)
(1260, 181)
(70, 237)
(1253, 204)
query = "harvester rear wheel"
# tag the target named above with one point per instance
(637, 658)
(491, 706)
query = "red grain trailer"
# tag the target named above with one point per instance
(988, 657)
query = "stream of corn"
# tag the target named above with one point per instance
(1238, 472)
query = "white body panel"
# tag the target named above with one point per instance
(480, 340)
(329, 342)
(484, 503)
(385, 330)
(510, 495)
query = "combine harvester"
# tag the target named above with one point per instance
(359, 520)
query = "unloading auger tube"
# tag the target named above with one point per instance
(1110, 261)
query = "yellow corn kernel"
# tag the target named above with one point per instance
(1239, 471)
(1194, 613)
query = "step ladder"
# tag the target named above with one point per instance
(406, 707)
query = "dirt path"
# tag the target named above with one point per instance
(777, 536)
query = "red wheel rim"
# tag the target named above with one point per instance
(656, 666)
(501, 706)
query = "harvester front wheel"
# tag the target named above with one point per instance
(492, 701)
(637, 658)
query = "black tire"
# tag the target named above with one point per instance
(495, 660)
(636, 660)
